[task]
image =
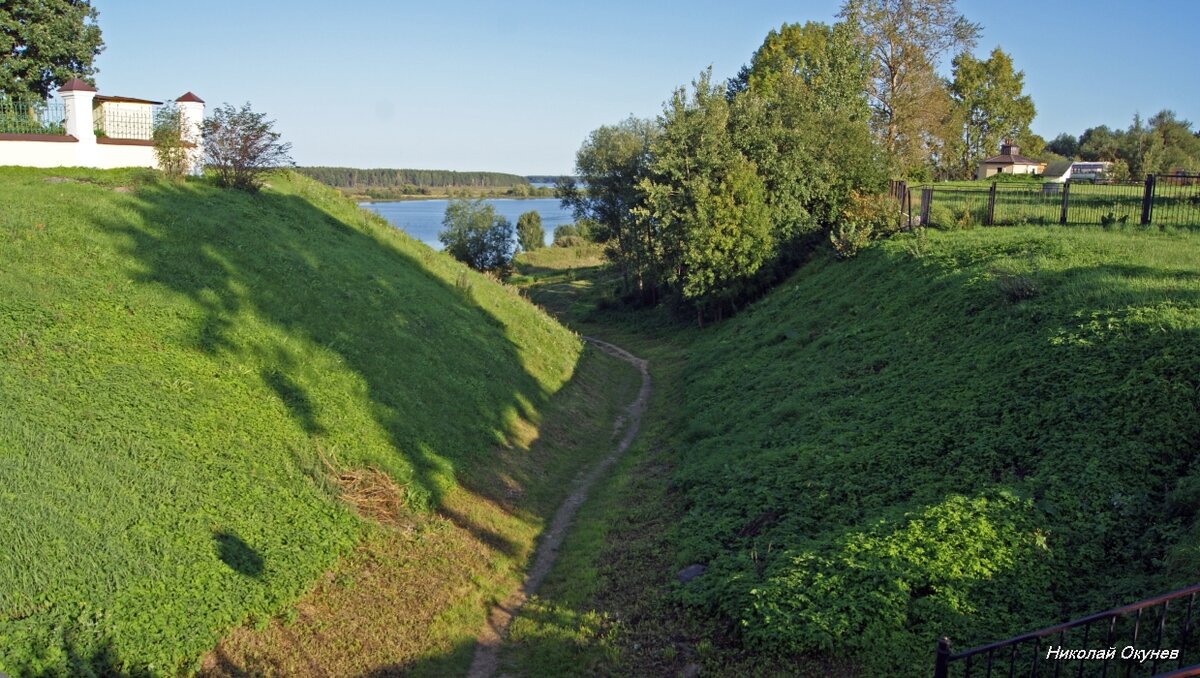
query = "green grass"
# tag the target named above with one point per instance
(964, 204)
(179, 366)
(990, 433)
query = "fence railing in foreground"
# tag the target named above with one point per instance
(1071, 648)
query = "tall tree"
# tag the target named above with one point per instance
(990, 106)
(44, 43)
(610, 164)
(1066, 145)
(803, 119)
(708, 202)
(906, 40)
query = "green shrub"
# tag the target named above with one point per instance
(849, 238)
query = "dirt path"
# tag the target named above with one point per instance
(487, 644)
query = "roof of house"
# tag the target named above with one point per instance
(76, 85)
(1011, 159)
(190, 97)
(1057, 168)
(101, 98)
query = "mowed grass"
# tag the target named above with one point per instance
(183, 370)
(973, 435)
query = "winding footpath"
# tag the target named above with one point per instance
(487, 644)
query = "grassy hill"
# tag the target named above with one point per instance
(972, 434)
(191, 377)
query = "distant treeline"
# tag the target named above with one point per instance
(546, 178)
(361, 179)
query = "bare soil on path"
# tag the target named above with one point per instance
(487, 647)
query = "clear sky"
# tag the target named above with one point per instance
(515, 87)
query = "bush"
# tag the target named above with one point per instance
(241, 146)
(848, 238)
(530, 233)
(476, 236)
(877, 211)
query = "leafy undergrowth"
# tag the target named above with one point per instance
(996, 433)
(185, 375)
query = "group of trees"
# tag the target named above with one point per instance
(354, 178)
(474, 234)
(1164, 144)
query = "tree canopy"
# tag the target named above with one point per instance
(44, 43)
(905, 40)
(989, 108)
(474, 234)
(530, 234)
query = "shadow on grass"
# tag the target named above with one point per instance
(425, 351)
(441, 376)
(237, 554)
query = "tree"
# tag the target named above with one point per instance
(610, 163)
(474, 234)
(905, 40)
(530, 234)
(1066, 145)
(44, 43)
(989, 106)
(803, 120)
(171, 147)
(241, 146)
(707, 202)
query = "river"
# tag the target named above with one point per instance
(422, 219)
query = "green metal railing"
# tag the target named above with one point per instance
(32, 117)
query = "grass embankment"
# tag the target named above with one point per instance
(976, 435)
(208, 397)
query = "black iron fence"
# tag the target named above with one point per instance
(32, 117)
(1152, 637)
(1160, 200)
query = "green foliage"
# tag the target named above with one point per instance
(530, 234)
(476, 236)
(707, 200)
(241, 146)
(175, 364)
(848, 238)
(890, 449)
(989, 108)
(172, 149)
(610, 164)
(44, 43)
(30, 117)
(905, 42)
(804, 122)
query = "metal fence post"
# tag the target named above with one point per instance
(926, 203)
(1062, 219)
(941, 666)
(991, 215)
(1148, 200)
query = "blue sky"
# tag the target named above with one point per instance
(515, 87)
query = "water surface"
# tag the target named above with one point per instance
(422, 219)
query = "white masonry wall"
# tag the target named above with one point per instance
(81, 148)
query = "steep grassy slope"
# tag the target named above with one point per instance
(180, 369)
(990, 431)
(972, 435)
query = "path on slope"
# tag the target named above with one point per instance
(487, 644)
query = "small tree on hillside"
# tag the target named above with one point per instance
(530, 233)
(241, 146)
(171, 147)
(475, 235)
